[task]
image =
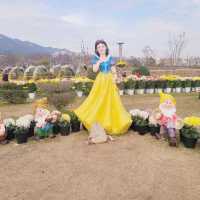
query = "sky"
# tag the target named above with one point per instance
(137, 23)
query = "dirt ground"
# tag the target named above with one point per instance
(133, 167)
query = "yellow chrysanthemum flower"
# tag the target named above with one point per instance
(66, 117)
(192, 121)
(81, 79)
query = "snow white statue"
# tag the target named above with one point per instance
(103, 104)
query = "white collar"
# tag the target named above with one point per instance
(108, 56)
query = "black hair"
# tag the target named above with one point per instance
(101, 42)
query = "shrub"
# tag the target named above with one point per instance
(130, 84)
(88, 86)
(197, 83)
(150, 84)
(190, 132)
(159, 84)
(169, 84)
(121, 85)
(30, 87)
(140, 84)
(90, 74)
(14, 96)
(60, 100)
(187, 83)
(59, 94)
(141, 70)
(177, 83)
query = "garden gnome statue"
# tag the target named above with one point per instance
(43, 128)
(169, 121)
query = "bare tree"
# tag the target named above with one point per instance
(176, 46)
(149, 55)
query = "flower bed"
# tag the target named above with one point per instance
(168, 84)
(129, 85)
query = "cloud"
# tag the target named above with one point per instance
(74, 19)
(136, 22)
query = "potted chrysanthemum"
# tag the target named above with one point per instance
(158, 86)
(130, 86)
(189, 134)
(121, 86)
(178, 86)
(150, 86)
(187, 84)
(140, 121)
(10, 128)
(74, 121)
(64, 125)
(197, 86)
(32, 88)
(140, 86)
(142, 125)
(169, 86)
(30, 118)
(79, 88)
(154, 126)
(22, 129)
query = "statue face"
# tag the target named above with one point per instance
(41, 112)
(168, 104)
(101, 48)
(167, 108)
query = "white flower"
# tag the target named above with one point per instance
(144, 114)
(134, 112)
(23, 122)
(152, 120)
(9, 121)
(139, 113)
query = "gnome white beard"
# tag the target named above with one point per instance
(169, 112)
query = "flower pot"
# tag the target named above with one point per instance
(178, 89)
(31, 95)
(187, 90)
(154, 129)
(56, 128)
(79, 93)
(193, 89)
(133, 126)
(65, 130)
(158, 90)
(31, 129)
(150, 91)
(168, 90)
(22, 137)
(173, 89)
(140, 91)
(188, 142)
(130, 92)
(126, 91)
(121, 92)
(142, 130)
(10, 133)
(197, 89)
(75, 126)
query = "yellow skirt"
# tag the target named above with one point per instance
(103, 105)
